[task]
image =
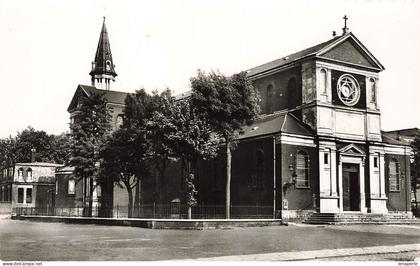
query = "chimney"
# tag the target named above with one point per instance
(33, 155)
(334, 33)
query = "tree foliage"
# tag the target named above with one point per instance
(193, 140)
(227, 103)
(88, 131)
(48, 148)
(126, 151)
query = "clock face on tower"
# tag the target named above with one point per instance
(348, 90)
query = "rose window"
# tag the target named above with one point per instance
(348, 90)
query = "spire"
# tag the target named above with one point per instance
(103, 67)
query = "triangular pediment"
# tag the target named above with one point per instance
(352, 149)
(80, 92)
(350, 50)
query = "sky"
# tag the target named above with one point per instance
(46, 48)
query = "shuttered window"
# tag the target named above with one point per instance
(394, 175)
(302, 170)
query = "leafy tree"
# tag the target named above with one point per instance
(193, 140)
(48, 148)
(89, 130)
(160, 131)
(415, 168)
(30, 139)
(227, 103)
(124, 161)
(6, 157)
(60, 148)
(127, 150)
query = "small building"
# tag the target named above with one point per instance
(6, 180)
(29, 185)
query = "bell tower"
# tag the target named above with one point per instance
(103, 68)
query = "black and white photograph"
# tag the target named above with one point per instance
(184, 132)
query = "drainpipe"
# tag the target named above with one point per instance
(407, 181)
(274, 177)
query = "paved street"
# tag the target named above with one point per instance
(23, 240)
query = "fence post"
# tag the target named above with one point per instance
(257, 209)
(202, 210)
(154, 210)
(117, 211)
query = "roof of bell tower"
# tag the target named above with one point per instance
(103, 63)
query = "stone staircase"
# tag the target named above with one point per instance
(361, 218)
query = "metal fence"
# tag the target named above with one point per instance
(156, 211)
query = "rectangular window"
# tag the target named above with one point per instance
(394, 176)
(375, 162)
(71, 188)
(302, 170)
(326, 158)
(20, 195)
(29, 195)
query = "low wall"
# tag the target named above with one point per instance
(156, 223)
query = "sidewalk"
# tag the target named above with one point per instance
(317, 254)
(199, 224)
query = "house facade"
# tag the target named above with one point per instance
(30, 185)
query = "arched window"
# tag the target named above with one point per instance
(394, 175)
(119, 122)
(372, 90)
(302, 170)
(323, 81)
(20, 172)
(71, 187)
(29, 172)
(269, 99)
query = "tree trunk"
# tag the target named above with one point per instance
(130, 201)
(415, 194)
(90, 203)
(161, 173)
(228, 177)
(189, 212)
(137, 199)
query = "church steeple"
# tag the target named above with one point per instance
(103, 67)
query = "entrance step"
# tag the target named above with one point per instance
(361, 218)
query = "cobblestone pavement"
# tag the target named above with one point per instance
(24, 240)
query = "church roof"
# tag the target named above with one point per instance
(389, 139)
(117, 97)
(319, 51)
(272, 124)
(395, 138)
(103, 63)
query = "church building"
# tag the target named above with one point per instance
(317, 146)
